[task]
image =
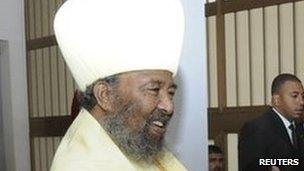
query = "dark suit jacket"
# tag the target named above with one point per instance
(266, 138)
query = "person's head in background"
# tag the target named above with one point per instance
(216, 158)
(288, 96)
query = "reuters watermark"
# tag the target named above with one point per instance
(279, 162)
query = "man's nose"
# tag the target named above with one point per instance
(166, 105)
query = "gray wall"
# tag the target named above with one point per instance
(14, 87)
(3, 57)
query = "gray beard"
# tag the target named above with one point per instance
(138, 146)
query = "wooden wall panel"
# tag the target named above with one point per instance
(37, 19)
(62, 86)
(30, 13)
(232, 152)
(50, 151)
(35, 88)
(51, 85)
(299, 39)
(212, 67)
(243, 56)
(51, 92)
(286, 38)
(46, 81)
(36, 154)
(43, 154)
(271, 47)
(40, 16)
(47, 143)
(40, 77)
(231, 67)
(44, 150)
(55, 80)
(56, 142)
(260, 43)
(257, 57)
(52, 8)
(70, 89)
(32, 88)
(45, 18)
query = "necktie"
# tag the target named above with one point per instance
(294, 136)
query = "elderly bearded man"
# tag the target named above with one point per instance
(123, 56)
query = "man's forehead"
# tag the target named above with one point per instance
(144, 76)
(292, 86)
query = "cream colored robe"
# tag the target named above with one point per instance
(87, 147)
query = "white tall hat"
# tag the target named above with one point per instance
(99, 38)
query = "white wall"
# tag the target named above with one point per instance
(14, 87)
(187, 136)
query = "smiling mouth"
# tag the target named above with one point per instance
(158, 127)
(299, 111)
(158, 123)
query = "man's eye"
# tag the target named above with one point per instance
(154, 89)
(172, 93)
(294, 95)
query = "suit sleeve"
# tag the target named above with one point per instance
(252, 147)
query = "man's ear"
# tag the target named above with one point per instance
(276, 99)
(102, 94)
